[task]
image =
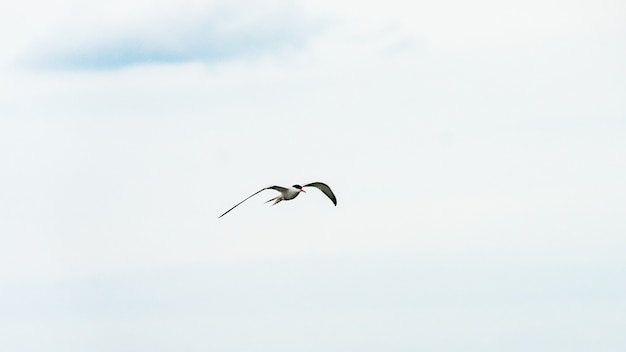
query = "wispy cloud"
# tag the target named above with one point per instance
(214, 37)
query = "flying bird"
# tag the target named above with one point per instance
(289, 193)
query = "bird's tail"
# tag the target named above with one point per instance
(276, 200)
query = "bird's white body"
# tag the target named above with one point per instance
(286, 193)
(290, 193)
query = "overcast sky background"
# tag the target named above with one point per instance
(477, 151)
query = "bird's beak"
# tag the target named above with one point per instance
(302, 191)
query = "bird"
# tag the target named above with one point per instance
(289, 193)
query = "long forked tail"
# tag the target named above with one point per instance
(276, 200)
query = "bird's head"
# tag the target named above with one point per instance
(298, 187)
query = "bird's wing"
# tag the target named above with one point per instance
(278, 188)
(324, 188)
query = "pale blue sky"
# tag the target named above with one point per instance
(476, 151)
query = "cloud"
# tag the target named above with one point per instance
(215, 35)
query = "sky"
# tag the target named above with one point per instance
(475, 149)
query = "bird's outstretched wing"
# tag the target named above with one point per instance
(324, 188)
(278, 188)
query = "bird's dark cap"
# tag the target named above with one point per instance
(297, 186)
